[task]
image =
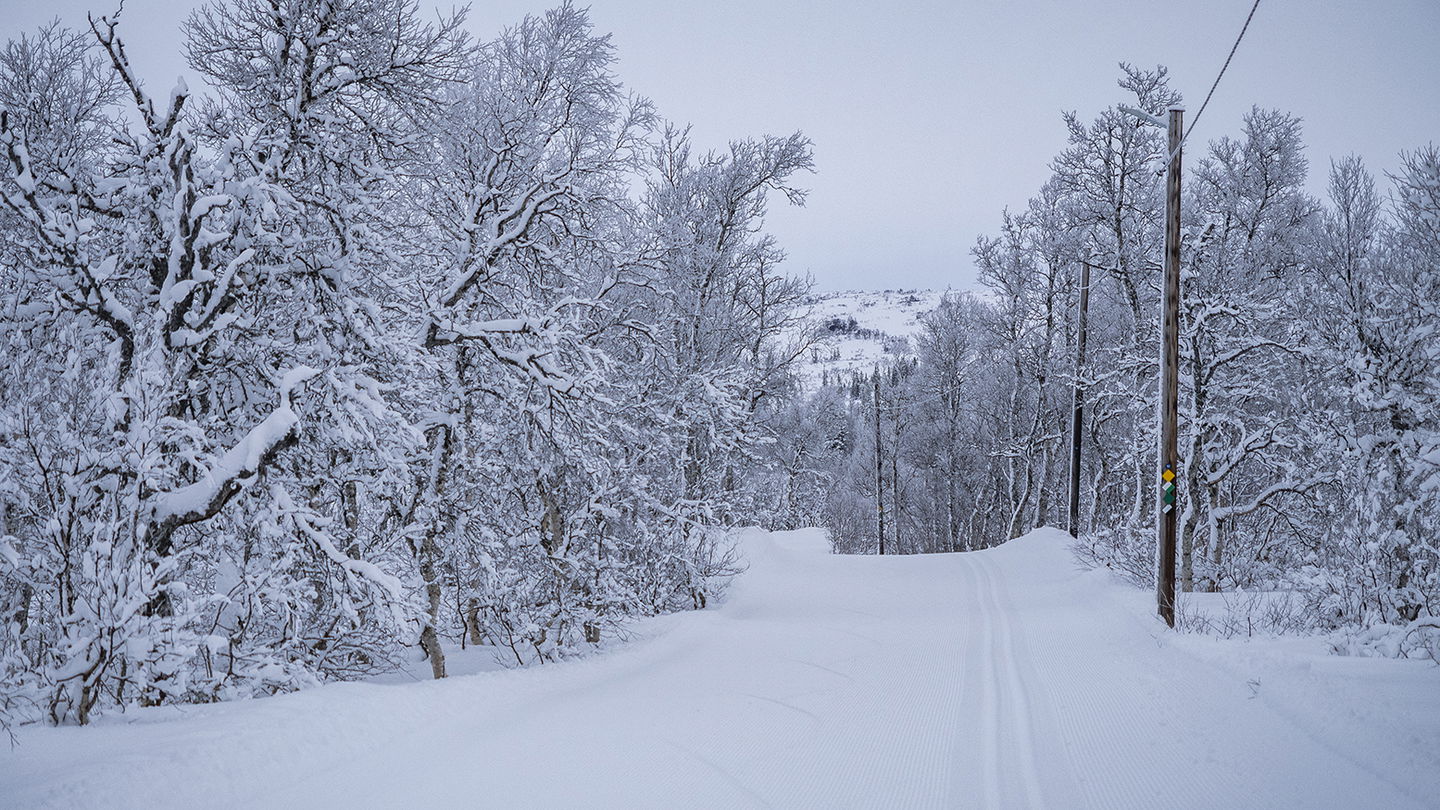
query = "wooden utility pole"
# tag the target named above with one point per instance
(1077, 413)
(896, 514)
(879, 468)
(1169, 378)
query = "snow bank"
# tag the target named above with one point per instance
(999, 678)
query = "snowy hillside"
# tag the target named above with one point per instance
(858, 329)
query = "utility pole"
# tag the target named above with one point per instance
(896, 514)
(879, 468)
(1078, 412)
(1169, 378)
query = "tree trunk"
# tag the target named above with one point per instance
(472, 622)
(429, 639)
(898, 513)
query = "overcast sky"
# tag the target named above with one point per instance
(930, 118)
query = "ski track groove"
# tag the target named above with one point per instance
(989, 741)
(969, 702)
(1015, 693)
(957, 678)
(1086, 717)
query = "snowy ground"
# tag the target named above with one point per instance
(1001, 678)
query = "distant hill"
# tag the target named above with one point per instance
(860, 328)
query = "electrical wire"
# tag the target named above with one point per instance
(1216, 84)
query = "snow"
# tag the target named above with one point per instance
(241, 462)
(895, 314)
(998, 678)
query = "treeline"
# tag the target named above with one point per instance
(1310, 378)
(392, 338)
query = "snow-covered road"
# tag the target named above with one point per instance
(1003, 678)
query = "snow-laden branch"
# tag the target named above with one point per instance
(1252, 442)
(1216, 364)
(61, 235)
(512, 224)
(120, 60)
(237, 466)
(362, 570)
(538, 365)
(449, 331)
(1223, 513)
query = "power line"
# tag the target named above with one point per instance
(1216, 84)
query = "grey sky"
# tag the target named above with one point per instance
(929, 118)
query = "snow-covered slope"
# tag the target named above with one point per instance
(859, 329)
(1001, 678)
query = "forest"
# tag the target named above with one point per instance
(393, 339)
(1309, 384)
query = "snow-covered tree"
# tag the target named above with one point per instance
(360, 351)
